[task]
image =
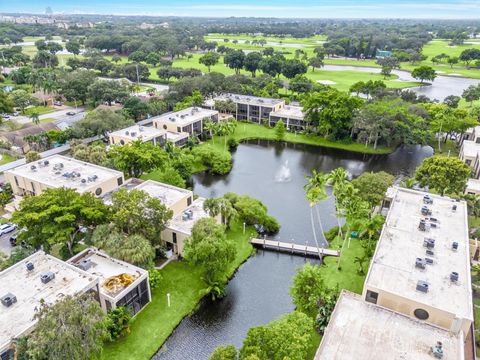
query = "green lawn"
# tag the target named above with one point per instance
(40, 110)
(6, 158)
(286, 40)
(246, 131)
(156, 322)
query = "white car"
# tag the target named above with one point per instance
(6, 228)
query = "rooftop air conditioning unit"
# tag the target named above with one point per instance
(46, 162)
(29, 265)
(437, 350)
(83, 181)
(85, 264)
(427, 199)
(455, 246)
(185, 216)
(420, 263)
(47, 276)
(127, 133)
(133, 133)
(429, 252)
(454, 208)
(33, 168)
(429, 243)
(8, 299)
(422, 286)
(429, 261)
(422, 226)
(454, 276)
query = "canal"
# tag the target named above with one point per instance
(275, 174)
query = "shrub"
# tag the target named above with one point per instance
(217, 162)
(154, 278)
(232, 144)
(118, 322)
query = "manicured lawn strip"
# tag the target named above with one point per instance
(156, 322)
(40, 110)
(473, 222)
(250, 131)
(286, 40)
(6, 158)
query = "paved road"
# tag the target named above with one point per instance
(5, 246)
(59, 115)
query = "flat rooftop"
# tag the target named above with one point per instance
(29, 290)
(363, 331)
(290, 111)
(393, 265)
(184, 225)
(175, 136)
(186, 116)
(473, 185)
(105, 268)
(248, 99)
(470, 148)
(60, 171)
(167, 194)
(139, 132)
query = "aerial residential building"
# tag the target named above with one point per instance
(186, 212)
(473, 187)
(177, 139)
(421, 266)
(250, 108)
(472, 134)
(470, 155)
(59, 171)
(120, 283)
(190, 120)
(359, 330)
(292, 116)
(23, 287)
(138, 132)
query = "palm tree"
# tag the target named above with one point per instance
(316, 192)
(226, 128)
(35, 117)
(211, 127)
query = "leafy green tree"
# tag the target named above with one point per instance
(286, 338)
(35, 117)
(253, 212)
(272, 65)
(209, 247)
(221, 206)
(72, 328)
(100, 122)
(309, 289)
(372, 186)
(108, 91)
(452, 101)
(300, 84)
(252, 62)
(53, 48)
(224, 353)
(134, 249)
(443, 174)
(471, 94)
(74, 85)
(293, 67)
(453, 60)
(6, 104)
(32, 156)
(217, 161)
(424, 73)
(235, 60)
(135, 107)
(315, 62)
(137, 157)
(22, 99)
(209, 59)
(44, 59)
(73, 47)
(57, 216)
(118, 322)
(136, 212)
(280, 130)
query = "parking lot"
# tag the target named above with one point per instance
(5, 246)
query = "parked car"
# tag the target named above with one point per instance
(15, 113)
(71, 113)
(13, 240)
(7, 228)
(5, 116)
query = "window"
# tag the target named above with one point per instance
(371, 296)
(174, 237)
(164, 127)
(468, 162)
(179, 129)
(189, 201)
(119, 181)
(421, 314)
(477, 140)
(16, 180)
(108, 305)
(98, 192)
(122, 142)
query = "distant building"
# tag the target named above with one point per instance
(120, 283)
(473, 187)
(292, 116)
(250, 108)
(382, 54)
(138, 132)
(470, 155)
(59, 171)
(190, 120)
(359, 330)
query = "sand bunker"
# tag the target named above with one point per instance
(326, 82)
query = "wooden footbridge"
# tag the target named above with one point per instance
(292, 248)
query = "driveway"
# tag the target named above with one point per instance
(5, 246)
(59, 115)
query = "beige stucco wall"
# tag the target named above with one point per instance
(406, 306)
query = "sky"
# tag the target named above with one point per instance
(434, 9)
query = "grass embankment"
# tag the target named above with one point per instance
(6, 158)
(156, 322)
(40, 110)
(250, 131)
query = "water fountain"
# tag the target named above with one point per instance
(284, 174)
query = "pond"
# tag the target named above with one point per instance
(274, 173)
